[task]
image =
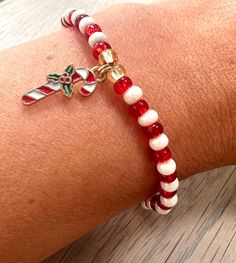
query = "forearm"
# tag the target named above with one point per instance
(67, 166)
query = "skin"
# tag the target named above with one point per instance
(69, 165)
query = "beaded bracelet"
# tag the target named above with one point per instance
(110, 69)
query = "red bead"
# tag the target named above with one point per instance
(75, 77)
(153, 200)
(122, 84)
(157, 200)
(138, 108)
(99, 47)
(78, 19)
(45, 90)
(167, 194)
(163, 155)
(91, 77)
(169, 178)
(163, 206)
(69, 17)
(64, 23)
(154, 130)
(90, 29)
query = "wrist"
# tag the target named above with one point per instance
(196, 101)
(180, 94)
(87, 149)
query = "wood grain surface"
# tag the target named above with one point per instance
(203, 226)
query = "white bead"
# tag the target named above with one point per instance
(66, 14)
(159, 142)
(97, 37)
(148, 203)
(167, 167)
(75, 14)
(148, 118)
(160, 210)
(170, 187)
(63, 22)
(143, 205)
(84, 22)
(132, 95)
(169, 202)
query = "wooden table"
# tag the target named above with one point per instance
(201, 229)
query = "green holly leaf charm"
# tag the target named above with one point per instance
(67, 89)
(54, 77)
(65, 79)
(70, 70)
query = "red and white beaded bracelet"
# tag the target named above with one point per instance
(110, 69)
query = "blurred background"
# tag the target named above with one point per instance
(23, 20)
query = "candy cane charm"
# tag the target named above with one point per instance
(63, 82)
(109, 68)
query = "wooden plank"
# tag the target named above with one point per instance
(203, 226)
(201, 229)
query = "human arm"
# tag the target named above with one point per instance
(67, 166)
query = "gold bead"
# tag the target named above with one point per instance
(115, 73)
(108, 56)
